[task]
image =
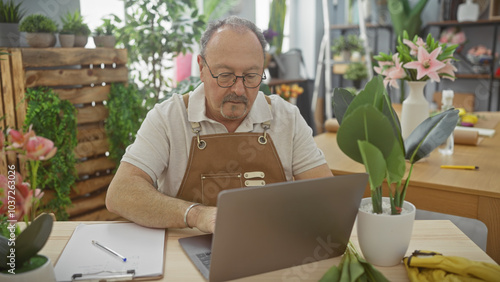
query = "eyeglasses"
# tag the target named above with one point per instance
(228, 79)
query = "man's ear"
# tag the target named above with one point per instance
(200, 66)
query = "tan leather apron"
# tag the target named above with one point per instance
(230, 160)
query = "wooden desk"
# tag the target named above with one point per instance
(467, 193)
(436, 235)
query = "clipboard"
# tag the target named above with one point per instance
(143, 247)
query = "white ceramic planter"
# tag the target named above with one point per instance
(384, 239)
(44, 273)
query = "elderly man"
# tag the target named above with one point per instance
(225, 134)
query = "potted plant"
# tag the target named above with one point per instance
(104, 34)
(19, 259)
(39, 30)
(67, 32)
(75, 24)
(356, 72)
(10, 16)
(370, 133)
(346, 45)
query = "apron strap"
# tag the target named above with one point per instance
(196, 127)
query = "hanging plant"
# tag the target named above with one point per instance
(54, 119)
(124, 119)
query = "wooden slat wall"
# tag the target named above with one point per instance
(83, 77)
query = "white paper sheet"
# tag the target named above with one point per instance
(143, 247)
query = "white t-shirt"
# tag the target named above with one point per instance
(161, 148)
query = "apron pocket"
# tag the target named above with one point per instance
(212, 184)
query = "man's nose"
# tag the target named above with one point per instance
(238, 86)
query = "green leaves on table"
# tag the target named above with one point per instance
(353, 267)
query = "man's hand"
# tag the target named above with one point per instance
(203, 218)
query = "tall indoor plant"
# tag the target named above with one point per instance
(370, 133)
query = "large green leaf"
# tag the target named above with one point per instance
(33, 238)
(365, 123)
(396, 165)
(341, 100)
(372, 94)
(374, 162)
(431, 133)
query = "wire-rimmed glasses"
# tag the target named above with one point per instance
(228, 79)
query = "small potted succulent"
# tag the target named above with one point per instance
(39, 30)
(73, 23)
(104, 34)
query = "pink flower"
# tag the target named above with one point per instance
(427, 64)
(40, 148)
(18, 138)
(414, 47)
(448, 69)
(23, 196)
(392, 70)
(459, 38)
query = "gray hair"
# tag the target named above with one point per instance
(235, 23)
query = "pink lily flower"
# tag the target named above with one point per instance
(414, 46)
(40, 148)
(24, 196)
(18, 138)
(448, 69)
(427, 64)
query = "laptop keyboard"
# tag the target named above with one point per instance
(205, 258)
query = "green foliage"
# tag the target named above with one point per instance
(277, 23)
(356, 71)
(106, 28)
(370, 133)
(28, 243)
(405, 18)
(153, 34)
(183, 87)
(350, 43)
(124, 119)
(353, 267)
(10, 13)
(38, 23)
(74, 24)
(54, 119)
(215, 9)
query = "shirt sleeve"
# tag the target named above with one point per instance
(150, 150)
(306, 154)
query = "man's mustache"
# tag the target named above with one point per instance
(235, 99)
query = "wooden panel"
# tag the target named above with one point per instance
(8, 93)
(91, 148)
(65, 77)
(98, 215)
(50, 57)
(85, 204)
(91, 114)
(488, 207)
(87, 132)
(18, 87)
(90, 167)
(84, 95)
(91, 185)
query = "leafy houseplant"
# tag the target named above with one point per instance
(55, 119)
(39, 30)
(370, 133)
(356, 72)
(104, 34)
(74, 23)
(124, 119)
(345, 45)
(153, 34)
(10, 16)
(405, 18)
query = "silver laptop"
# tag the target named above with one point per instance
(261, 229)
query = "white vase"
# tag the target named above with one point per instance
(415, 108)
(384, 239)
(44, 273)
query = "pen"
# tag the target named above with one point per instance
(97, 244)
(460, 167)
